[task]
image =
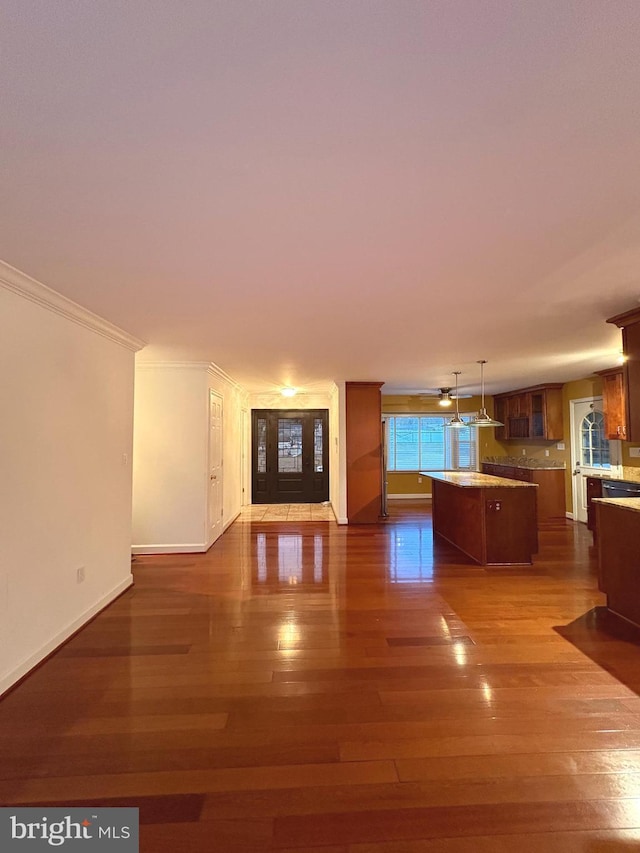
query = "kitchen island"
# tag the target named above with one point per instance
(491, 519)
(618, 525)
(549, 479)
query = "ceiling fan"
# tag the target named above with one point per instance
(445, 396)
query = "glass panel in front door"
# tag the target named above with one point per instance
(318, 445)
(262, 445)
(289, 446)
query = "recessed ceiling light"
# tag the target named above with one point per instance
(288, 392)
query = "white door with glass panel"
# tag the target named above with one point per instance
(589, 450)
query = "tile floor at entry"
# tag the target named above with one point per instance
(287, 512)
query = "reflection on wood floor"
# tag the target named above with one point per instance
(344, 690)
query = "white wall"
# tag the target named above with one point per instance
(66, 379)
(169, 459)
(170, 456)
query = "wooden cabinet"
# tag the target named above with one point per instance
(614, 402)
(530, 413)
(519, 405)
(594, 490)
(492, 523)
(629, 322)
(500, 410)
(364, 451)
(618, 559)
(518, 412)
(550, 482)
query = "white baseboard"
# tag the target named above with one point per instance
(231, 520)
(421, 496)
(14, 675)
(569, 515)
(189, 548)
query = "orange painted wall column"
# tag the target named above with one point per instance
(364, 451)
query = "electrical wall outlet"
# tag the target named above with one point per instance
(419, 479)
(80, 575)
(524, 451)
(546, 453)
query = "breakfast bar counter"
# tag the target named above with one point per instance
(491, 519)
(618, 524)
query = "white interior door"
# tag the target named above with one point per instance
(589, 450)
(215, 466)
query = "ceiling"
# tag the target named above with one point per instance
(332, 189)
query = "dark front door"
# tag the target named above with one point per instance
(290, 456)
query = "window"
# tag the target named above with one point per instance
(594, 450)
(423, 443)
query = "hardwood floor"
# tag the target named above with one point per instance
(309, 687)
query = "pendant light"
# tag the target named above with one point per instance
(456, 421)
(482, 419)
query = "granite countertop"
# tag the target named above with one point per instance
(632, 504)
(522, 462)
(473, 480)
(629, 475)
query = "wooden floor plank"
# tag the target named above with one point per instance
(76, 788)
(506, 818)
(591, 841)
(407, 702)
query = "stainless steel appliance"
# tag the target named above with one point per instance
(614, 489)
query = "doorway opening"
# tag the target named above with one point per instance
(289, 456)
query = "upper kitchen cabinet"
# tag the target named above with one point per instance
(614, 402)
(531, 413)
(518, 414)
(629, 322)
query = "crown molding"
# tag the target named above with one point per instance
(172, 365)
(205, 366)
(34, 291)
(219, 373)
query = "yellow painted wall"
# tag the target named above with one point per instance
(408, 483)
(414, 404)
(627, 461)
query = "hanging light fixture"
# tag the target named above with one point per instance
(444, 398)
(482, 419)
(456, 421)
